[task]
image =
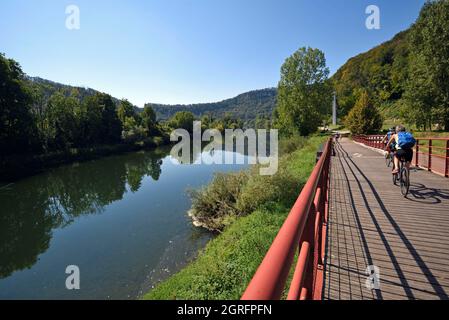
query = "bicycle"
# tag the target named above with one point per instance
(389, 159)
(403, 177)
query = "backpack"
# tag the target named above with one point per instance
(406, 140)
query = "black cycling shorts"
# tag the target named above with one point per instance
(407, 154)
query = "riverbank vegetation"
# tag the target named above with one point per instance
(247, 208)
(248, 222)
(45, 124)
(232, 195)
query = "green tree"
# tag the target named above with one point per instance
(182, 120)
(382, 71)
(17, 127)
(111, 123)
(127, 114)
(206, 121)
(149, 119)
(428, 86)
(61, 125)
(99, 120)
(303, 92)
(364, 118)
(91, 121)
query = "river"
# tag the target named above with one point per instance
(122, 220)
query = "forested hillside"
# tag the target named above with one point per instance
(249, 106)
(382, 71)
(407, 78)
(48, 88)
(246, 107)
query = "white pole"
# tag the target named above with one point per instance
(334, 110)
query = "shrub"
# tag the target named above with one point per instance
(217, 200)
(281, 188)
(364, 118)
(290, 144)
(231, 195)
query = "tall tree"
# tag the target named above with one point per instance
(61, 127)
(182, 120)
(303, 92)
(149, 119)
(111, 123)
(428, 87)
(127, 115)
(364, 118)
(17, 127)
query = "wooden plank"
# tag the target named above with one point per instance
(371, 223)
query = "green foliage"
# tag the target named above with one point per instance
(263, 122)
(227, 122)
(239, 194)
(218, 200)
(40, 116)
(182, 120)
(290, 144)
(364, 118)
(17, 127)
(303, 92)
(149, 119)
(227, 264)
(427, 94)
(245, 107)
(406, 76)
(99, 122)
(127, 115)
(60, 122)
(381, 71)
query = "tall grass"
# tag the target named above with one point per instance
(225, 267)
(238, 194)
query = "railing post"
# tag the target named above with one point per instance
(446, 171)
(417, 153)
(429, 166)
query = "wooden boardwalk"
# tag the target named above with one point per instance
(372, 224)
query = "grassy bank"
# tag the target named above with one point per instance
(439, 147)
(225, 267)
(20, 166)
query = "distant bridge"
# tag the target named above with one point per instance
(352, 235)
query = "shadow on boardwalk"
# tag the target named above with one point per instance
(372, 224)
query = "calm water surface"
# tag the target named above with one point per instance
(122, 220)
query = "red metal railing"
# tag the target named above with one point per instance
(431, 154)
(374, 141)
(303, 233)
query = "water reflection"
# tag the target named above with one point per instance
(121, 219)
(31, 209)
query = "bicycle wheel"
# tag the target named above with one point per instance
(388, 161)
(405, 181)
(395, 178)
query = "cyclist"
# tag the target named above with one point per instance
(390, 148)
(403, 147)
(387, 137)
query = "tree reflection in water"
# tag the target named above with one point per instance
(32, 208)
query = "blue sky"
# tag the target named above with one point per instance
(187, 51)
